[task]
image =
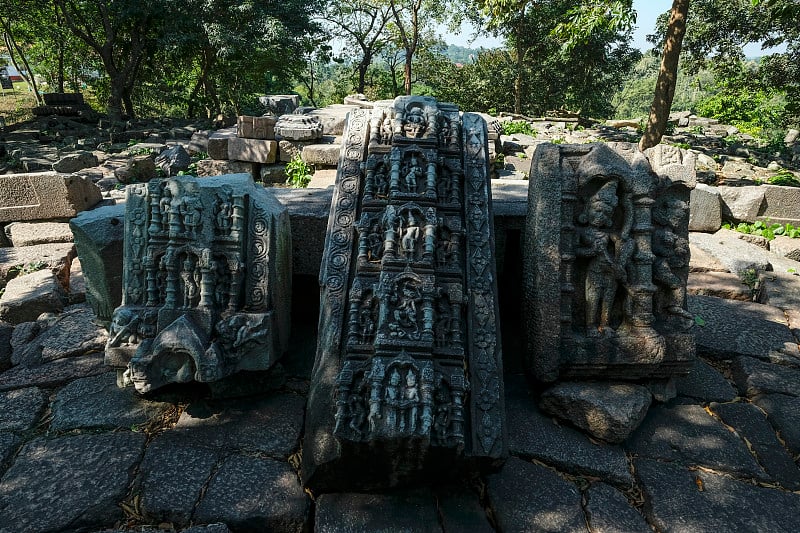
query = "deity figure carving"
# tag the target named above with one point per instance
(608, 258)
(206, 285)
(407, 364)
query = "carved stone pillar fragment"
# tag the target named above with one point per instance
(606, 262)
(206, 281)
(407, 380)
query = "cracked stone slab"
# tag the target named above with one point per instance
(412, 511)
(737, 255)
(705, 383)
(19, 409)
(750, 423)
(783, 412)
(31, 233)
(270, 425)
(719, 284)
(608, 511)
(69, 482)
(53, 374)
(28, 296)
(689, 434)
(754, 377)
(528, 497)
(173, 475)
(683, 501)
(534, 435)
(96, 401)
(249, 493)
(72, 334)
(54, 256)
(734, 328)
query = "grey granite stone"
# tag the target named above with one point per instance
(609, 411)
(45, 195)
(72, 334)
(734, 328)
(741, 203)
(68, 483)
(19, 409)
(754, 377)
(689, 434)
(737, 255)
(533, 435)
(52, 374)
(704, 383)
(751, 424)
(248, 493)
(98, 239)
(50, 256)
(705, 209)
(31, 233)
(783, 412)
(685, 501)
(407, 511)
(552, 505)
(6, 332)
(608, 511)
(173, 474)
(97, 402)
(270, 425)
(26, 297)
(720, 284)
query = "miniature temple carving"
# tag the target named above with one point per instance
(206, 281)
(408, 376)
(607, 261)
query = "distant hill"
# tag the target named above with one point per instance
(460, 54)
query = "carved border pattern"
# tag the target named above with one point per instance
(485, 367)
(341, 228)
(257, 276)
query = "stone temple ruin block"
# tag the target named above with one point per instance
(44, 195)
(298, 128)
(206, 281)
(606, 262)
(407, 381)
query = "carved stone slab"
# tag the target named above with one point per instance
(606, 262)
(43, 195)
(408, 376)
(206, 281)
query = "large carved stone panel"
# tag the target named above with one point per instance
(206, 281)
(408, 378)
(606, 262)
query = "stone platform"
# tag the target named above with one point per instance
(79, 454)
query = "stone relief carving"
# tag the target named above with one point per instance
(206, 276)
(606, 265)
(418, 365)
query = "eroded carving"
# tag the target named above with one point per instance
(206, 282)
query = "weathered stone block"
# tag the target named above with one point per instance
(206, 281)
(218, 143)
(705, 209)
(781, 204)
(288, 150)
(98, 239)
(44, 195)
(26, 297)
(785, 247)
(138, 168)
(298, 128)
(280, 104)
(75, 162)
(218, 167)
(322, 154)
(742, 203)
(408, 355)
(32, 233)
(173, 160)
(252, 150)
(606, 262)
(248, 127)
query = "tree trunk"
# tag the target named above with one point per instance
(407, 72)
(667, 76)
(11, 45)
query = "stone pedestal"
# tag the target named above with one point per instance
(206, 281)
(298, 128)
(407, 381)
(606, 262)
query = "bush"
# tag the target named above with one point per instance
(298, 172)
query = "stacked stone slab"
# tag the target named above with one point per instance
(206, 281)
(606, 262)
(45, 195)
(407, 380)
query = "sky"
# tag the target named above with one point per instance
(647, 11)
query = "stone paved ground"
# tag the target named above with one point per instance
(79, 454)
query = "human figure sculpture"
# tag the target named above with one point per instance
(386, 131)
(601, 244)
(164, 208)
(124, 329)
(415, 123)
(393, 399)
(409, 236)
(671, 253)
(375, 242)
(190, 288)
(410, 400)
(405, 315)
(366, 321)
(223, 218)
(413, 171)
